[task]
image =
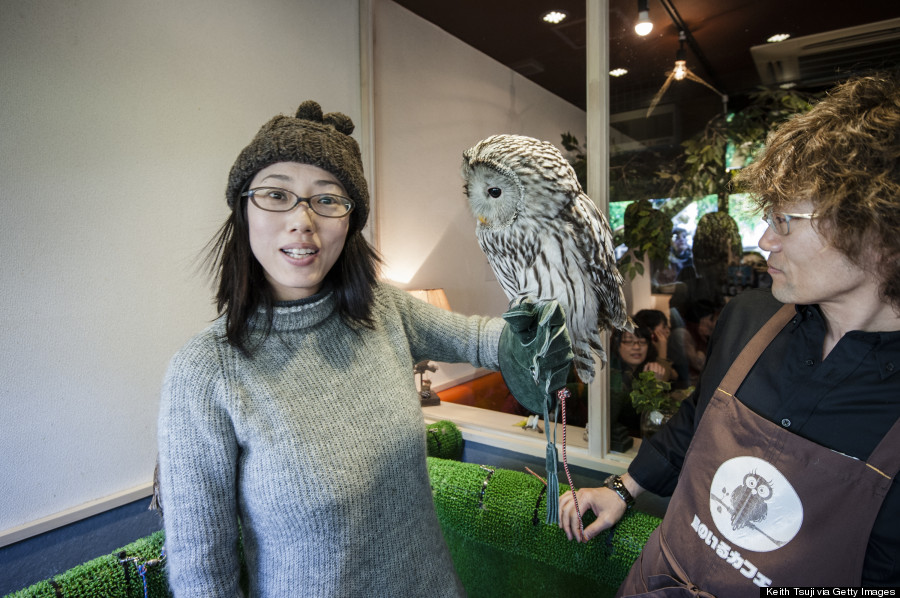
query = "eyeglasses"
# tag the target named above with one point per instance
(636, 342)
(780, 222)
(272, 199)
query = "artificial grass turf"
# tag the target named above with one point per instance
(495, 530)
(502, 547)
(115, 575)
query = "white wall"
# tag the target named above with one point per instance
(120, 120)
(435, 97)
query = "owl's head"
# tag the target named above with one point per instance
(510, 175)
(758, 485)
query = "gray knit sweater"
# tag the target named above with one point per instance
(314, 449)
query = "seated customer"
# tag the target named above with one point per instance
(658, 324)
(632, 354)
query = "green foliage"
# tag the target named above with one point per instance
(648, 231)
(648, 393)
(703, 167)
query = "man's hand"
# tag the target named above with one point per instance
(606, 505)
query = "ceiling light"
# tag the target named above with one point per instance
(681, 72)
(554, 17)
(778, 37)
(643, 25)
(618, 72)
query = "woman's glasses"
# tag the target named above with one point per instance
(635, 342)
(272, 199)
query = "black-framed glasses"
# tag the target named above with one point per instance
(780, 222)
(273, 199)
(635, 342)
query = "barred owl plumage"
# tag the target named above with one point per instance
(545, 239)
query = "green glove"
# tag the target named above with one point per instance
(535, 353)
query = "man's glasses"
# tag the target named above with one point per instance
(780, 222)
(272, 199)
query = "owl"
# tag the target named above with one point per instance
(545, 239)
(749, 501)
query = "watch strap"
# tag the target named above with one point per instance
(614, 483)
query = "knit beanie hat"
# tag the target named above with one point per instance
(308, 138)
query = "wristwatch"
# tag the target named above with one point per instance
(614, 483)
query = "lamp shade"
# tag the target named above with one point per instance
(436, 297)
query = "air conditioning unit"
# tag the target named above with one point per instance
(823, 58)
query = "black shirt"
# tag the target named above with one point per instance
(847, 403)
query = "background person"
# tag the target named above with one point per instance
(794, 437)
(658, 324)
(680, 254)
(632, 354)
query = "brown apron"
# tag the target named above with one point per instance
(757, 506)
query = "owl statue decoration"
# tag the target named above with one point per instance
(545, 239)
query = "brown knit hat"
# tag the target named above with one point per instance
(308, 138)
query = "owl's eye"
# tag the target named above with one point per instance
(495, 192)
(750, 482)
(764, 491)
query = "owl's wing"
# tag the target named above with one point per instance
(594, 238)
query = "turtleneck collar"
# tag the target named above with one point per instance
(301, 313)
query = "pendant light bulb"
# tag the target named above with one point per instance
(643, 26)
(680, 70)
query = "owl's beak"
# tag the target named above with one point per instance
(482, 220)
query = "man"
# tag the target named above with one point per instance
(782, 465)
(680, 252)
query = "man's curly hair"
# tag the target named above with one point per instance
(844, 157)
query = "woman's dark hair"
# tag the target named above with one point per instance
(650, 318)
(243, 288)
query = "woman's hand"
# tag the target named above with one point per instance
(660, 340)
(657, 368)
(605, 503)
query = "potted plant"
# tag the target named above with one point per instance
(655, 400)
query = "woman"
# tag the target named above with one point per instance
(632, 354)
(292, 426)
(658, 324)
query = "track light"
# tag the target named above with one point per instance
(643, 26)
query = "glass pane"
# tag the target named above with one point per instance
(690, 104)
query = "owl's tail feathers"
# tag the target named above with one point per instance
(584, 357)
